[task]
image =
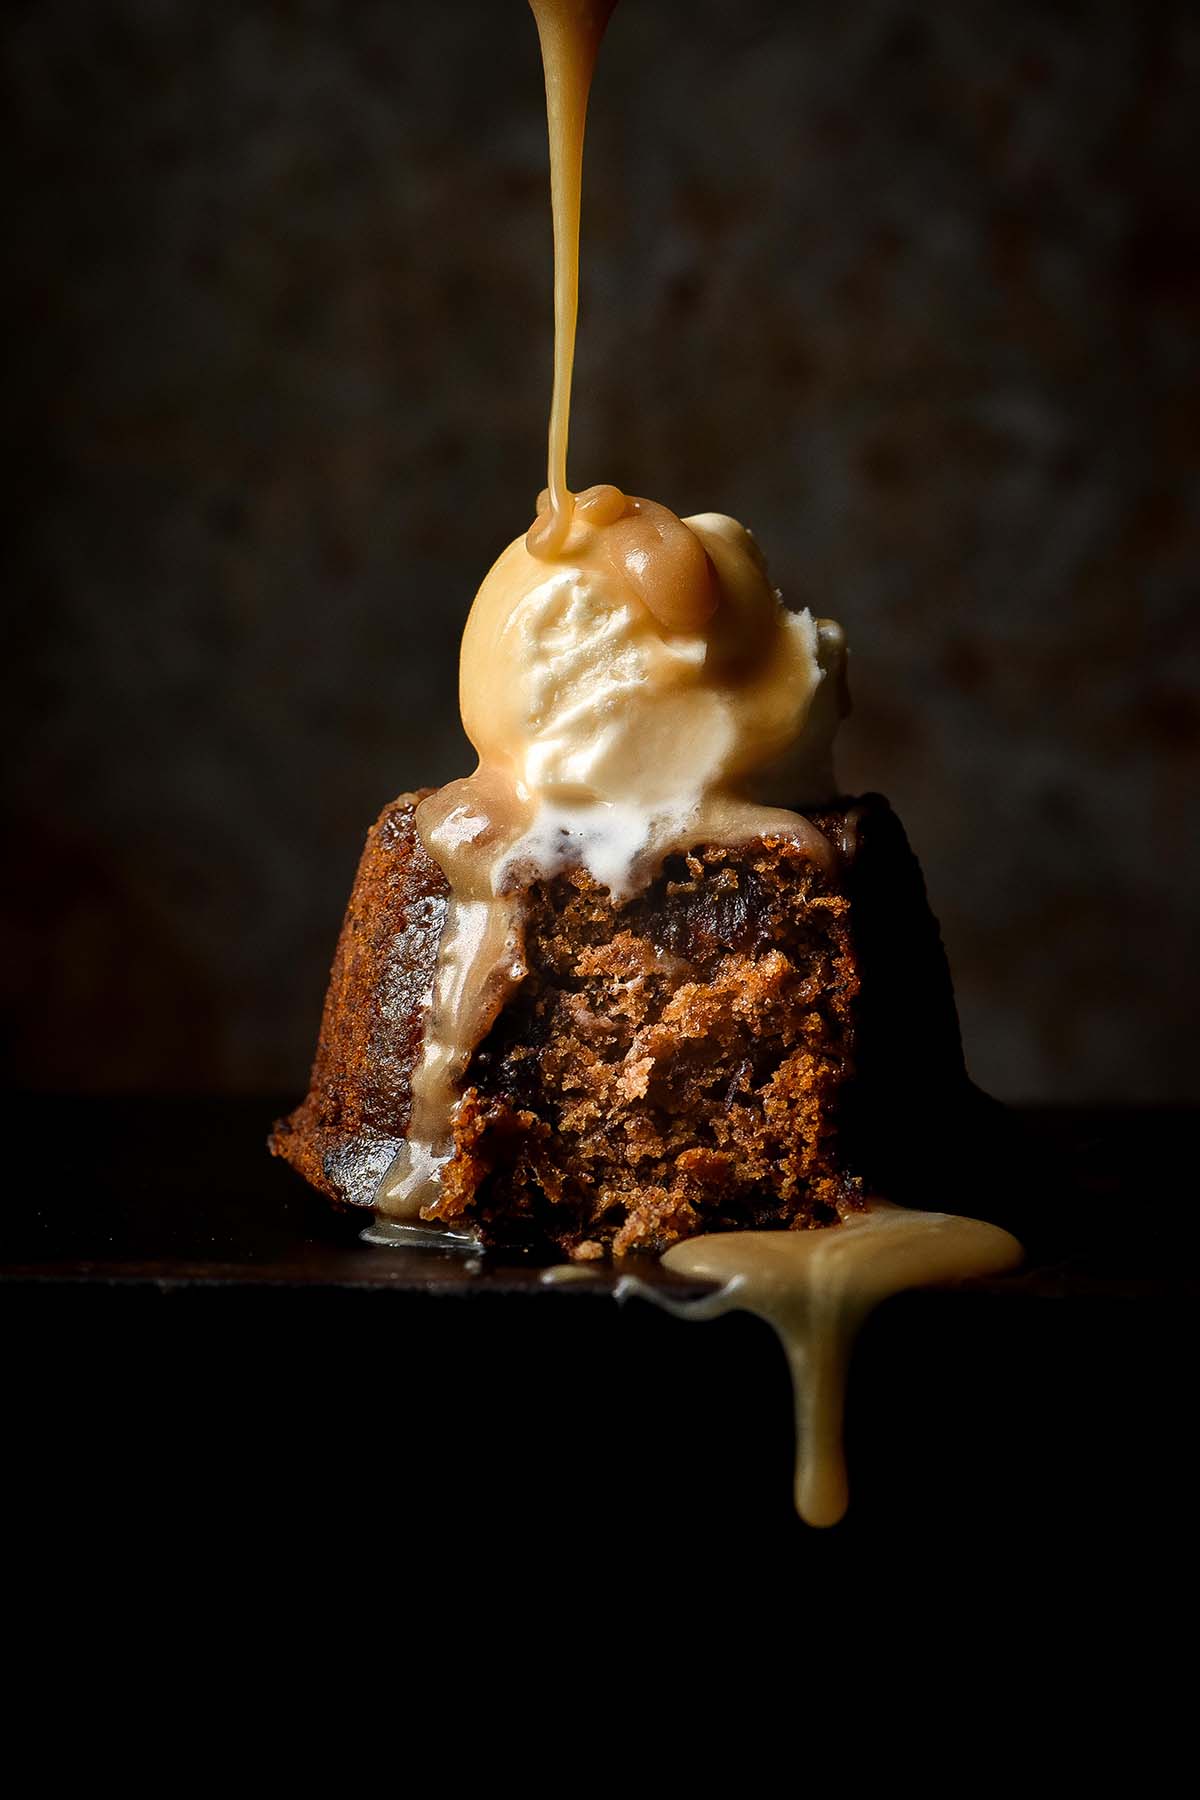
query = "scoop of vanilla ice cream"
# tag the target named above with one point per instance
(570, 684)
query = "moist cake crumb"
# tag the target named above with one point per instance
(668, 1065)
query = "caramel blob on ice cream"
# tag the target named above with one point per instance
(645, 683)
(663, 560)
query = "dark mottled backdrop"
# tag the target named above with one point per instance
(913, 289)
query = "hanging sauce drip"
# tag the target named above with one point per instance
(816, 1289)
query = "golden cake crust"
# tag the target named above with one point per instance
(345, 1133)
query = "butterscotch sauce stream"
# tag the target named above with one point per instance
(570, 32)
(816, 1289)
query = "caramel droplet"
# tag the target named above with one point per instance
(549, 531)
(602, 505)
(665, 563)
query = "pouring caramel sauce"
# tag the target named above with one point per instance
(611, 609)
(658, 556)
(570, 32)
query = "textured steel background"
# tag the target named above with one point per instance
(912, 289)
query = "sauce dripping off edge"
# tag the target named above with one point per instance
(816, 1289)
